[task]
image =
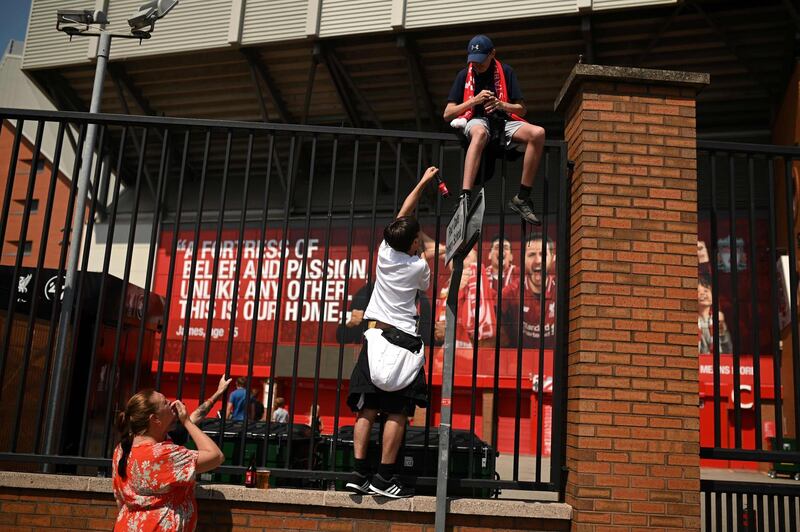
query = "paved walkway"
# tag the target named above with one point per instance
(744, 475)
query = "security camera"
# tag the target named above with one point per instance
(144, 20)
(74, 21)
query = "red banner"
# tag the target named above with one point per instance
(746, 375)
(296, 273)
(309, 283)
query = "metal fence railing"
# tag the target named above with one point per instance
(748, 507)
(248, 249)
(747, 301)
(748, 333)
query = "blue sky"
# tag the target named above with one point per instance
(13, 20)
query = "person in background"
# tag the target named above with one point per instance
(358, 306)
(536, 285)
(313, 417)
(352, 332)
(465, 306)
(255, 409)
(280, 414)
(491, 282)
(705, 325)
(153, 479)
(703, 262)
(510, 270)
(237, 401)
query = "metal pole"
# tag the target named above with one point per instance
(463, 231)
(447, 393)
(57, 382)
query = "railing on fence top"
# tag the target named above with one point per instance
(728, 506)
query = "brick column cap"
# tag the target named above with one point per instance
(581, 73)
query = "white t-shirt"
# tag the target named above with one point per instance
(398, 277)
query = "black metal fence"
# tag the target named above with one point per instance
(248, 249)
(748, 331)
(749, 507)
(747, 206)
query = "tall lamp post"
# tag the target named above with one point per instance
(87, 23)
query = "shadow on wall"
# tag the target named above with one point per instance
(215, 511)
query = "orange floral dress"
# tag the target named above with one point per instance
(158, 492)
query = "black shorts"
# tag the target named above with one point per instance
(364, 394)
(388, 403)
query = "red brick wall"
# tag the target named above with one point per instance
(29, 510)
(633, 433)
(19, 192)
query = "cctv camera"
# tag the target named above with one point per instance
(73, 21)
(144, 20)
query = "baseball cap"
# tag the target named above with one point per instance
(479, 47)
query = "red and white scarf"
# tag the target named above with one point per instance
(463, 336)
(500, 89)
(487, 324)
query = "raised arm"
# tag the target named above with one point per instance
(202, 410)
(410, 204)
(429, 246)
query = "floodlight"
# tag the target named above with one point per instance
(79, 22)
(144, 20)
(73, 21)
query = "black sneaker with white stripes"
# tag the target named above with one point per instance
(390, 488)
(360, 485)
(524, 207)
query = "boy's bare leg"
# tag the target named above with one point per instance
(478, 138)
(386, 482)
(361, 432)
(360, 479)
(393, 431)
(532, 137)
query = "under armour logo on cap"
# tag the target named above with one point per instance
(479, 48)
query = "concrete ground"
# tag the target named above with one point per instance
(526, 471)
(744, 475)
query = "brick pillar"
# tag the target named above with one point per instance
(633, 436)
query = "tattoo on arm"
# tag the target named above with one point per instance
(203, 409)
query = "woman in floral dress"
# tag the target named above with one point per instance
(153, 478)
